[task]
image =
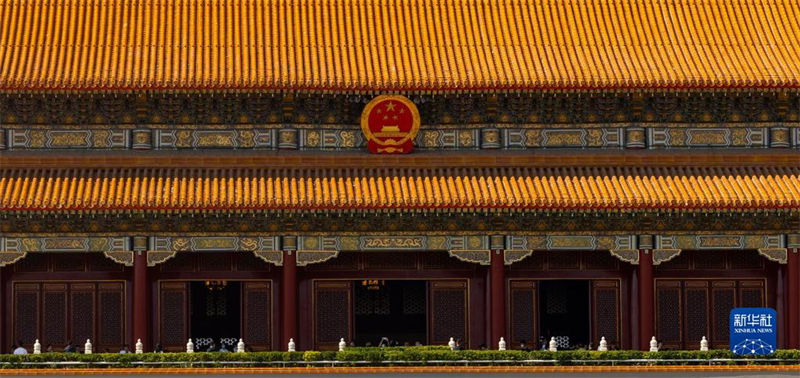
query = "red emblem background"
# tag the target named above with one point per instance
(390, 123)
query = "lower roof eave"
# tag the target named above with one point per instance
(421, 159)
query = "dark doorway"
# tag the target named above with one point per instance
(215, 314)
(565, 312)
(392, 309)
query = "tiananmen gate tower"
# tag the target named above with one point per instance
(419, 170)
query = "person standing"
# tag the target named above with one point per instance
(20, 349)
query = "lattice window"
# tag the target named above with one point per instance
(215, 261)
(723, 303)
(533, 262)
(100, 263)
(747, 259)
(449, 309)
(559, 260)
(606, 314)
(33, 262)
(751, 297)
(54, 325)
(441, 260)
(682, 261)
(556, 303)
(247, 261)
(414, 300)
(82, 314)
(182, 262)
(600, 260)
(344, 261)
(709, 260)
(390, 260)
(257, 313)
(696, 314)
(26, 316)
(372, 302)
(668, 316)
(111, 317)
(68, 262)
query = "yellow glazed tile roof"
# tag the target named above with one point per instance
(182, 190)
(402, 45)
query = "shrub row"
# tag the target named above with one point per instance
(378, 355)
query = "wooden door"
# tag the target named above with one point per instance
(111, 316)
(669, 310)
(695, 313)
(447, 312)
(257, 314)
(26, 312)
(723, 300)
(523, 303)
(333, 313)
(54, 315)
(173, 316)
(605, 312)
(82, 314)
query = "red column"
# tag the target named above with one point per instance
(646, 290)
(289, 297)
(498, 298)
(141, 304)
(3, 340)
(793, 298)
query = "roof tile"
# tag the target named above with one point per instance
(404, 45)
(181, 190)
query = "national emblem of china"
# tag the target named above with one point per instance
(390, 123)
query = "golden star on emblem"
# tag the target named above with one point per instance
(389, 106)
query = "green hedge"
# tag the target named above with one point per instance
(378, 355)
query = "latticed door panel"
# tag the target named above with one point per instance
(605, 303)
(54, 314)
(333, 313)
(668, 313)
(696, 312)
(703, 309)
(751, 294)
(523, 313)
(111, 314)
(723, 300)
(82, 316)
(257, 319)
(173, 311)
(448, 311)
(26, 312)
